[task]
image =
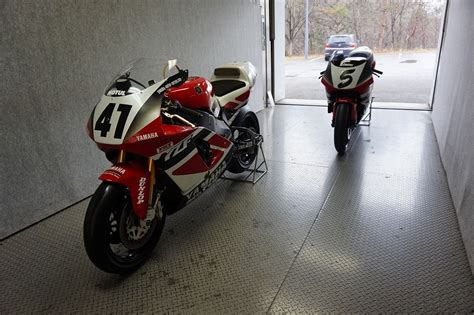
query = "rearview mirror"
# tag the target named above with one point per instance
(168, 66)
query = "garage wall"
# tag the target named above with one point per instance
(453, 114)
(56, 58)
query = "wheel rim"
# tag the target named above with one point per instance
(121, 226)
(245, 159)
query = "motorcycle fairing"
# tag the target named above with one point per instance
(195, 93)
(117, 117)
(111, 110)
(346, 76)
(232, 84)
(185, 162)
(136, 177)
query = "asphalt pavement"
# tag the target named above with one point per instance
(407, 77)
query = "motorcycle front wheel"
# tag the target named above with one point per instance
(116, 241)
(342, 129)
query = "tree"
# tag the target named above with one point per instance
(294, 22)
(379, 24)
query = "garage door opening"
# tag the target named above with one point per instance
(403, 34)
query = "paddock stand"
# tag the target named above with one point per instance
(259, 168)
(365, 121)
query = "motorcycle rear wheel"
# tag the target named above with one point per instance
(102, 225)
(342, 129)
(242, 161)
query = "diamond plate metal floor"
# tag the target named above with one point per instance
(373, 231)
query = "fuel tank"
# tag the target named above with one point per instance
(195, 93)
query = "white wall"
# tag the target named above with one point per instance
(453, 114)
(56, 58)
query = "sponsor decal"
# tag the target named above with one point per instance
(147, 136)
(118, 169)
(141, 190)
(116, 93)
(168, 85)
(165, 147)
(210, 179)
(178, 148)
(115, 171)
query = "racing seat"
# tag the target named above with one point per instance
(223, 87)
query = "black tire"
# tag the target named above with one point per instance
(342, 128)
(242, 162)
(108, 204)
(326, 58)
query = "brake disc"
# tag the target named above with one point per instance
(135, 233)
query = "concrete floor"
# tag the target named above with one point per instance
(373, 231)
(409, 73)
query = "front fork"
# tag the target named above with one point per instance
(140, 181)
(151, 212)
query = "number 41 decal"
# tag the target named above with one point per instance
(103, 122)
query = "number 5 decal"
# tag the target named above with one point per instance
(346, 78)
(103, 122)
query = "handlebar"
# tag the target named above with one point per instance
(175, 106)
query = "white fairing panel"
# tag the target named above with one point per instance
(134, 101)
(346, 77)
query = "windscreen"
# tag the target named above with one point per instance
(140, 74)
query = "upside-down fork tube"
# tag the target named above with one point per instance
(138, 178)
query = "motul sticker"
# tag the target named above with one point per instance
(116, 93)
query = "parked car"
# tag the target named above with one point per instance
(344, 42)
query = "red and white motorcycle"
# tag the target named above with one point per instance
(168, 142)
(348, 82)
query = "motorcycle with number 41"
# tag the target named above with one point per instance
(168, 141)
(348, 82)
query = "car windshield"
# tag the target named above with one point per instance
(340, 39)
(140, 74)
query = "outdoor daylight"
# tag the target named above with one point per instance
(403, 35)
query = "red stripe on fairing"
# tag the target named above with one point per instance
(364, 85)
(243, 97)
(216, 157)
(219, 141)
(231, 105)
(194, 165)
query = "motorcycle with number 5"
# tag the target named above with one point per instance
(168, 141)
(348, 82)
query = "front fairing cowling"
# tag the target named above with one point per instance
(116, 118)
(127, 106)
